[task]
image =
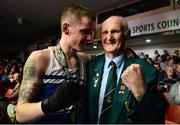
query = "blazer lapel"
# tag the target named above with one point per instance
(95, 87)
(98, 71)
(121, 94)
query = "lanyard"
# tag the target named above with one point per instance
(61, 56)
(62, 60)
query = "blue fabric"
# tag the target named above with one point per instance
(53, 77)
(4, 77)
(48, 89)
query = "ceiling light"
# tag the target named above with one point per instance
(95, 47)
(148, 40)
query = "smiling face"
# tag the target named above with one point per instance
(77, 26)
(81, 33)
(113, 36)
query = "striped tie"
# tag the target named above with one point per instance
(110, 89)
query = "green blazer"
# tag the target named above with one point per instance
(125, 108)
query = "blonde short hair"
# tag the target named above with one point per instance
(75, 12)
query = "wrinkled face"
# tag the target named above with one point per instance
(112, 36)
(81, 33)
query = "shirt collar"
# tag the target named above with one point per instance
(118, 60)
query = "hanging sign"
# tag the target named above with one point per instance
(157, 23)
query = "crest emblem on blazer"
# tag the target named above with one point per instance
(122, 87)
(96, 80)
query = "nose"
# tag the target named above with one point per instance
(110, 37)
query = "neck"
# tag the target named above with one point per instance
(67, 50)
(66, 57)
(112, 55)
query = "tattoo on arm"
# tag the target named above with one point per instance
(29, 70)
(29, 86)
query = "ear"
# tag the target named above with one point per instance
(65, 28)
(127, 34)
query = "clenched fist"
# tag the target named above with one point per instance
(133, 78)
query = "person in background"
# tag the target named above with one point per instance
(176, 56)
(129, 53)
(53, 78)
(162, 64)
(165, 55)
(156, 55)
(8, 103)
(161, 72)
(17, 81)
(177, 71)
(168, 80)
(171, 62)
(142, 55)
(149, 60)
(134, 97)
(174, 94)
(6, 74)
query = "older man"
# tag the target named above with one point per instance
(133, 98)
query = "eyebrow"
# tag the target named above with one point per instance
(86, 30)
(112, 31)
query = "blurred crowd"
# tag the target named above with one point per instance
(168, 67)
(10, 79)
